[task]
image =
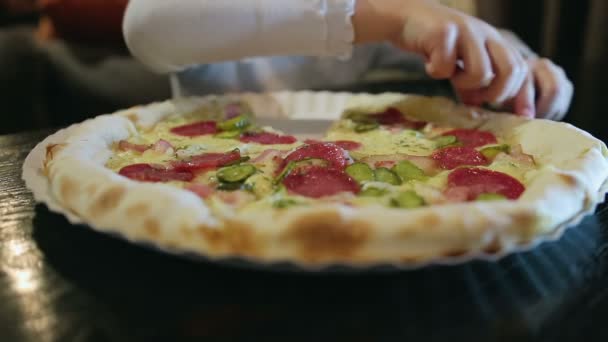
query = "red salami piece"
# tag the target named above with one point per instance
(345, 144)
(335, 155)
(207, 161)
(196, 129)
(232, 110)
(267, 138)
(480, 181)
(149, 173)
(392, 116)
(320, 182)
(124, 145)
(452, 157)
(473, 137)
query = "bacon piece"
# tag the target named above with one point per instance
(319, 182)
(395, 129)
(518, 154)
(202, 190)
(237, 198)
(472, 137)
(161, 146)
(348, 145)
(335, 155)
(452, 157)
(154, 173)
(207, 161)
(426, 164)
(267, 138)
(124, 145)
(196, 129)
(457, 194)
(465, 184)
(267, 156)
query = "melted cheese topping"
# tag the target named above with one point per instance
(383, 141)
(380, 141)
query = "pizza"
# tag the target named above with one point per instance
(397, 179)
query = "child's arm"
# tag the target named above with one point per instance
(169, 35)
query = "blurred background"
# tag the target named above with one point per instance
(64, 60)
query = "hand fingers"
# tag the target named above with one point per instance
(555, 90)
(477, 71)
(442, 60)
(523, 102)
(511, 71)
(565, 99)
(547, 81)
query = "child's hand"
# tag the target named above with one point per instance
(546, 92)
(480, 62)
(552, 88)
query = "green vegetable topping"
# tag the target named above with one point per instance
(297, 164)
(385, 175)
(357, 116)
(406, 170)
(259, 184)
(239, 161)
(360, 172)
(284, 203)
(228, 135)
(238, 123)
(445, 140)
(366, 127)
(229, 186)
(490, 197)
(236, 173)
(285, 172)
(407, 200)
(492, 151)
(373, 192)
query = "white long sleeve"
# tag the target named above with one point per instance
(170, 35)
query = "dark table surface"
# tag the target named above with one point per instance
(60, 282)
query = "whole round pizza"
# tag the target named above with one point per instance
(397, 179)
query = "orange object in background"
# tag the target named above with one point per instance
(86, 21)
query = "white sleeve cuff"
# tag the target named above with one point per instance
(307, 27)
(340, 31)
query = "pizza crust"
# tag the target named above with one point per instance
(573, 169)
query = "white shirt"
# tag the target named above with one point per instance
(217, 46)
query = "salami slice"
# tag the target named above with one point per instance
(196, 129)
(267, 138)
(206, 161)
(335, 155)
(348, 145)
(478, 181)
(452, 157)
(319, 182)
(392, 116)
(472, 137)
(149, 173)
(232, 110)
